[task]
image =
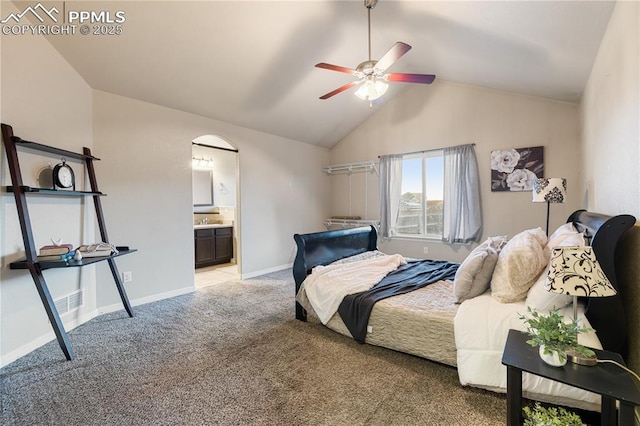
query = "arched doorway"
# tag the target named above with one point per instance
(216, 210)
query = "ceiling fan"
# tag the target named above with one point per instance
(371, 78)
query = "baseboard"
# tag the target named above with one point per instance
(148, 299)
(266, 271)
(48, 337)
(45, 338)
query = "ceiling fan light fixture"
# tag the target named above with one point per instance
(371, 90)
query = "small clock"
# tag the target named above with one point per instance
(63, 176)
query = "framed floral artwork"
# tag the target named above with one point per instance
(515, 169)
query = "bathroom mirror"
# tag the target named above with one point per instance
(202, 188)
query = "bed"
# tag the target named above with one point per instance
(470, 335)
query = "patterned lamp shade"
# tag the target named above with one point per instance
(549, 190)
(574, 271)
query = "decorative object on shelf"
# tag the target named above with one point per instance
(515, 169)
(63, 176)
(575, 271)
(554, 335)
(552, 416)
(549, 190)
(97, 250)
(55, 249)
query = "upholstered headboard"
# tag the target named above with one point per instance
(606, 314)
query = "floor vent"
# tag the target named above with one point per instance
(69, 303)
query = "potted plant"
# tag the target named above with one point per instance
(554, 336)
(541, 416)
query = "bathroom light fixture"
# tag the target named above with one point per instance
(202, 163)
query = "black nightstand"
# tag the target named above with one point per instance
(608, 380)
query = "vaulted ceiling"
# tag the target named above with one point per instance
(252, 63)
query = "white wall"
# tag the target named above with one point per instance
(610, 112)
(447, 114)
(44, 100)
(146, 163)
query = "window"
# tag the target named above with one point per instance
(421, 199)
(431, 194)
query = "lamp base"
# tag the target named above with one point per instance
(577, 358)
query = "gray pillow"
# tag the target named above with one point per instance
(474, 274)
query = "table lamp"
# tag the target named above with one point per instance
(575, 271)
(549, 190)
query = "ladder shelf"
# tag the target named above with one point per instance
(30, 261)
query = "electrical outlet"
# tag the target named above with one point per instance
(126, 277)
(425, 250)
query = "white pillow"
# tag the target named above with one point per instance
(519, 264)
(538, 296)
(474, 274)
(568, 230)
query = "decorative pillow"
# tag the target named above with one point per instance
(538, 296)
(519, 264)
(474, 274)
(564, 232)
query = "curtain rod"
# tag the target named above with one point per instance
(430, 150)
(214, 147)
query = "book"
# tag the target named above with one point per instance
(95, 250)
(49, 257)
(52, 250)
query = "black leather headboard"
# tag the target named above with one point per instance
(606, 314)
(322, 248)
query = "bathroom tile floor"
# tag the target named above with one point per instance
(216, 274)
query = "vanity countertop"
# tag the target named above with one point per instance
(212, 225)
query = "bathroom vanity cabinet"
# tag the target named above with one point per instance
(213, 244)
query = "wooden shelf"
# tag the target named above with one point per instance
(57, 192)
(51, 264)
(52, 150)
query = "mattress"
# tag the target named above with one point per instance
(419, 323)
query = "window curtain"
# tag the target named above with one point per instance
(390, 188)
(462, 213)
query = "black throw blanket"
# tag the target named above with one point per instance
(355, 309)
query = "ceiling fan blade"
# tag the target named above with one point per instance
(336, 68)
(411, 78)
(340, 89)
(392, 55)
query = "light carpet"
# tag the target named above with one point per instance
(232, 354)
